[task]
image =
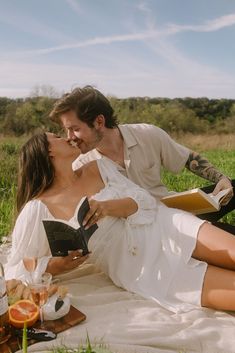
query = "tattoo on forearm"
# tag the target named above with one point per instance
(203, 168)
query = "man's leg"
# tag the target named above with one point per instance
(213, 217)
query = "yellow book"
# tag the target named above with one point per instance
(195, 201)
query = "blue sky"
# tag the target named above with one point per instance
(155, 48)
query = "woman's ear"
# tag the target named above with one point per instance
(51, 154)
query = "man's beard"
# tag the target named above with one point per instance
(97, 139)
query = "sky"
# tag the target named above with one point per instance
(124, 48)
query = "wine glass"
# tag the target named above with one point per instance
(39, 291)
(30, 264)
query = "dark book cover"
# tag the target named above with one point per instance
(63, 238)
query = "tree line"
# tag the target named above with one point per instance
(180, 115)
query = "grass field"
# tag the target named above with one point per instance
(223, 158)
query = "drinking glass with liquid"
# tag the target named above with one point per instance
(39, 291)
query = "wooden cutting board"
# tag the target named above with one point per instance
(73, 318)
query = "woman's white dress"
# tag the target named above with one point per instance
(148, 253)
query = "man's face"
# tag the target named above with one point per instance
(86, 138)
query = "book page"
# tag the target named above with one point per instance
(195, 201)
(63, 237)
(220, 196)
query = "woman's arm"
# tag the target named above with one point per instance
(29, 240)
(27, 235)
(121, 208)
(130, 201)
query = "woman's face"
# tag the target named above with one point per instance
(59, 147)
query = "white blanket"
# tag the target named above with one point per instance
(127, 323)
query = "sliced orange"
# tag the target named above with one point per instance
(23, 311)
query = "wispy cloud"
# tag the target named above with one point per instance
(144, 8)
(131, 77)
(159, 68)
(208, 26)
(171, 29)
(97, 41)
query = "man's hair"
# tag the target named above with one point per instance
(87, 103)
(36, 171)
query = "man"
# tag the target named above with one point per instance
(140, 150)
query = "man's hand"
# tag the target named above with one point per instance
(223, 184)
(202, 167)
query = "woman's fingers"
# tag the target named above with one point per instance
(93, 214)
(96, 212)
(92, 220)
(75, 258)
(90, 214)
(60, 264)
(75, 254)
(77, 261)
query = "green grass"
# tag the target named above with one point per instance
(223, 160)
(9, 147)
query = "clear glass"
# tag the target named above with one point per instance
(39, 291)
(30, 264)
(4, 318)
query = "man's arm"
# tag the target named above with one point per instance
(202, 167)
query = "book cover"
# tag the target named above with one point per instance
(195, 201)
(63, 238)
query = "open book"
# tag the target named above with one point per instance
(62, 237)
(195, 201)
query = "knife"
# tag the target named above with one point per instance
(37, 334)
(59, 303)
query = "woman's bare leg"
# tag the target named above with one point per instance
(215, 246)
(219, 289)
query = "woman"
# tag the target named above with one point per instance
(165, 254)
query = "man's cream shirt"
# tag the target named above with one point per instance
(147, 149)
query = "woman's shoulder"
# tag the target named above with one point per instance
(32, 207)
(29, 214)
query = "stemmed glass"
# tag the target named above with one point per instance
(30, 264)
(39, 291)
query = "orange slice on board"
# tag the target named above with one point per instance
(23, 311)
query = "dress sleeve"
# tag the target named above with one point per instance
(28, 240)
(147, 205)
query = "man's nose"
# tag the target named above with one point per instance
(71, 135)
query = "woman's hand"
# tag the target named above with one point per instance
(98, 210)
(121, 208)
(57, 265)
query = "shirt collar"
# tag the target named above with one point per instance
(128, 137)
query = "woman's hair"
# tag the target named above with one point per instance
(36, 171)
(87, 103)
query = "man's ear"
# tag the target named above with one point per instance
(99, 121)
